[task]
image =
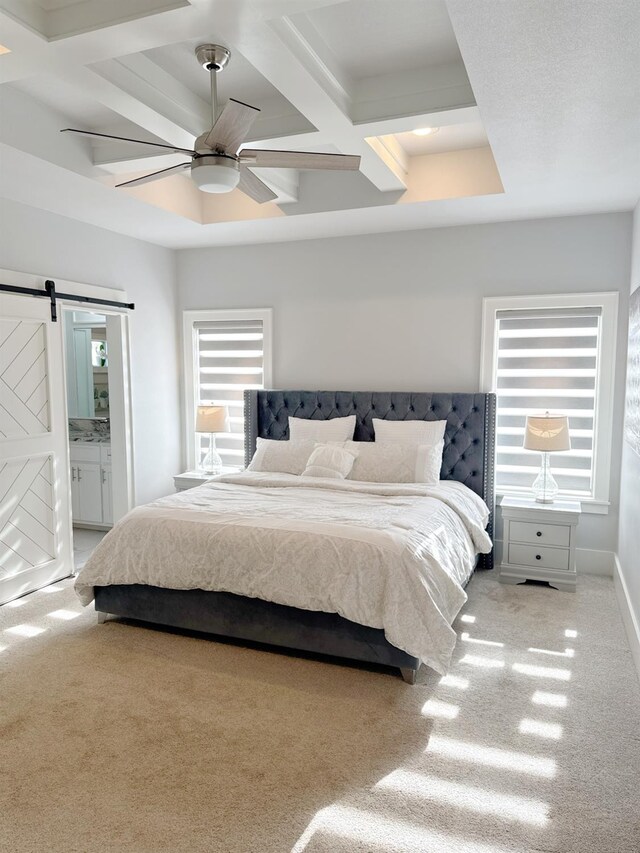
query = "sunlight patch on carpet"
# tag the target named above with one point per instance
(542, 671)
(488, 756)
(468, 797)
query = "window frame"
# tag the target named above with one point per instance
(190, 360)
(607, 302)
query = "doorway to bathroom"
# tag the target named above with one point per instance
(95, 354)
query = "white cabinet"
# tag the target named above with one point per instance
(89, 492)
(539, 542)
(91, 495)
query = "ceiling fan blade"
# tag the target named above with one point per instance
(127, 139)
(232, 126)
(254, 187)
(155, 176)
(298, 160)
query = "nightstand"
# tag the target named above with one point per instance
(539, 542)
(190, 479)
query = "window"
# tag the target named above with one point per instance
(225, 353)
(557, 354)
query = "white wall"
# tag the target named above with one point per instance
(403, 310)
(629, 542)
(42, 243)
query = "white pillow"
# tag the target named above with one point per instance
(329, 460)
(281, 457)
(387, 462)
(334, 429)
(409, 432)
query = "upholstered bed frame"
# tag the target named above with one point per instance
(468, 458)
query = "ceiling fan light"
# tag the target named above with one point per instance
(215, 174)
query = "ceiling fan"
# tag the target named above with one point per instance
(216, 165)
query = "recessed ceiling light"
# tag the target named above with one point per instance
(4, 49)
(425, 131)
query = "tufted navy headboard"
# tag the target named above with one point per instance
(469, 440)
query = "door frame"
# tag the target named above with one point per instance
(120, 403)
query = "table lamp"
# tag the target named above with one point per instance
(212, 419)
(548, 434)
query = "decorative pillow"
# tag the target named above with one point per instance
(409, 432)
(330, 460)
(334, 429)
(281, 457)
(387, 462)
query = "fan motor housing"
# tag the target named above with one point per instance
(212, 57)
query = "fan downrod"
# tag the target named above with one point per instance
(212, 57)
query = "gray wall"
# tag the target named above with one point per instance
(42, 243)
(375, 312)
(629, 543)
(403, 310)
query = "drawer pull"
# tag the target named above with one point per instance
(539, 533)
(538, 557)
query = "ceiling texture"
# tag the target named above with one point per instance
(536, 105)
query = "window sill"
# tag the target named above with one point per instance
(588, 505)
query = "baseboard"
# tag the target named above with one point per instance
(629, 619)
(588, 561)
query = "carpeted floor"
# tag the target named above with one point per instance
(116, 737)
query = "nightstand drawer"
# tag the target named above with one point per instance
(540, 557)
(540, 534)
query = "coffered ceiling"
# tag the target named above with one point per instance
(535, 108)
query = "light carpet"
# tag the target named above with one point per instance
(116, 737)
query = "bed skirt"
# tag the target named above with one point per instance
(252, 619)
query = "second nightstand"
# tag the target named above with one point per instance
(539, 542)
(190, 479)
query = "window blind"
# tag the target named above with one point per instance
(547, 360)
(230, 359)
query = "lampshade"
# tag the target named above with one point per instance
(547, 433)
(212, 419)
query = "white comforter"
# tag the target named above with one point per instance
(384, 555)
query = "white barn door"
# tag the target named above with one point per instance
(35, 517)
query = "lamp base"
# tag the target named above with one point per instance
(212, 463)
(544, 486)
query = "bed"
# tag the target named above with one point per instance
(306, 623)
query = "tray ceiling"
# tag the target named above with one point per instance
(351, 76)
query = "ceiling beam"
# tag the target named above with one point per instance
(170, 125)
(284, 54)
(142, 81)
(418, 91)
